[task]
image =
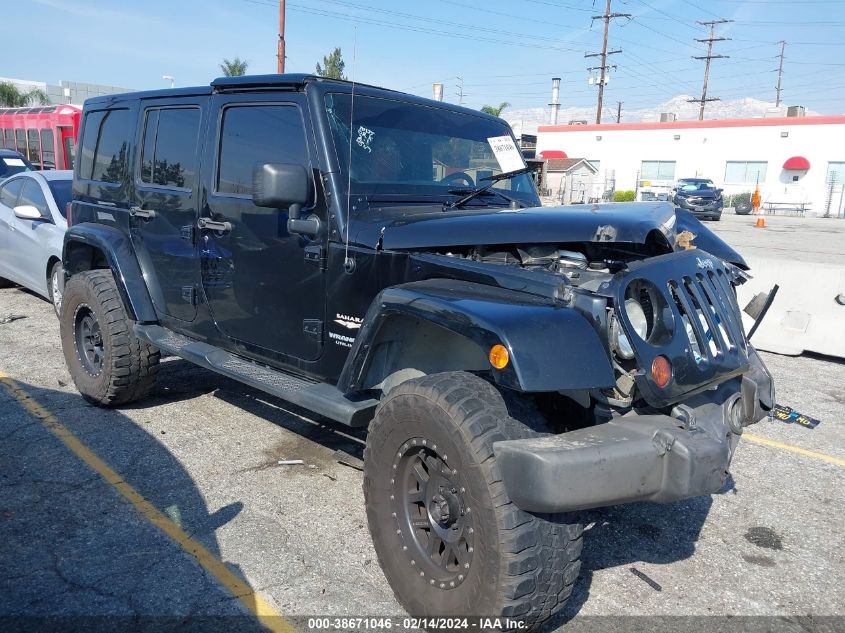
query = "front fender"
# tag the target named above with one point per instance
(119, 255)
(551, 347)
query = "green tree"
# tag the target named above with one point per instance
(12, 97)
(333, 65)
(234, 68)
(495, 111)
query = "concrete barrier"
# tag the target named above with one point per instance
(806, 314)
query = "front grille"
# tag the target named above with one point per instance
(700, 326)
(706, 306)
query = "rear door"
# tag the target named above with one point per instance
(262, 291)
(163, 219)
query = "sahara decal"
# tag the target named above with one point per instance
(349, 322)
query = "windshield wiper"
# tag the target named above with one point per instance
(493, 180)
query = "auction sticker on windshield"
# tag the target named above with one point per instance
(506, 152)
(14, 162)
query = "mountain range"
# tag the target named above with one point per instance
(526, 120)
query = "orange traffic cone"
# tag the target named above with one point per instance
(761, 222)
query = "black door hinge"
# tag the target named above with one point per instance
(316, 254)
(189, 294)
(313, 328)
(187, 233)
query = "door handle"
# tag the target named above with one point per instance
(212, 225)
(145, 214)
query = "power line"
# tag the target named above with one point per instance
(710, 56)
(607, 17)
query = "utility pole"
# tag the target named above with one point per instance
(712, 24)
(460, 90)
(607, 17)
(618, 111)
(280, 53)
(780, 72)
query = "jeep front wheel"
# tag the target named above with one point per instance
(108, 363)
(449, 539)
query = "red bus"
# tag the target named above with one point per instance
(46, 135)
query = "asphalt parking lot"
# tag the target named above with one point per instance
(86, 493)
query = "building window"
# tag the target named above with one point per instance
(169, 155)
(10, 139)
(105, 146)
(742, 172)
(657, 170)
(835, 173)
(253, 135)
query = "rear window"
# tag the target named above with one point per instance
(61, 193)
(105, 146)
(169, 152)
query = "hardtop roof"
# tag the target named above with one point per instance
(284, 81)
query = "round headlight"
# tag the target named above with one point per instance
(636, 315)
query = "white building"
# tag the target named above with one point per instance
(75, 92)
(799, 162)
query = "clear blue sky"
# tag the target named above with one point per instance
(505, 50)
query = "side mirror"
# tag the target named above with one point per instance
(28, 212)
(285, 185)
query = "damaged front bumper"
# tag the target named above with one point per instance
(638, 457)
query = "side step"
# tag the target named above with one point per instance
(321, 398)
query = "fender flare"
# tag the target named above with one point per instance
(551, 347)
(120, 258)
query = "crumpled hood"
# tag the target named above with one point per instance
(700, 193)
(630, 222)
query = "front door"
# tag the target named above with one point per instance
(165, 211)
(262, 292)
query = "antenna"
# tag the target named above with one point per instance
(348, 264)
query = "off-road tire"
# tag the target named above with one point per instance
(743, 208)
(523, 565)
(128, 364)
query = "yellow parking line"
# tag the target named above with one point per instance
(793, 449)
(256, 604)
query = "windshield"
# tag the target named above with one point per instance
(416, 153)
(694, 185)
(61, 190)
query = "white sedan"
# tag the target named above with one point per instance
(32, 230)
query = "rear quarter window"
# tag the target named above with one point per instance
(105, 146)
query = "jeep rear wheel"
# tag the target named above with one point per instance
(109, 364)
(448, 537)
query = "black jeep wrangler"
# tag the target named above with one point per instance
(383, 260)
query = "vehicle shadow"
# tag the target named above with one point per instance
(181, 380)
(73, 546)
(634, 533)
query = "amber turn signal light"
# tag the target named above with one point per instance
(661, 371)
(499, 356)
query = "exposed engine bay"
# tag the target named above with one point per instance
(578, 262)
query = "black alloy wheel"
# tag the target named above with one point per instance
(432, 513)
(89, 340)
